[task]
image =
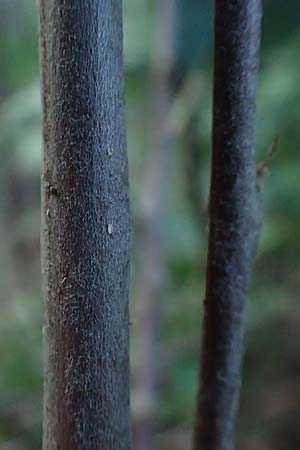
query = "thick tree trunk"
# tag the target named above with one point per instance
(234, 220)
(85, 226)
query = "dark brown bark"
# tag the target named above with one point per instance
(235, 218)
(85, 226)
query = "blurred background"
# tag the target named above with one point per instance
(168, 65)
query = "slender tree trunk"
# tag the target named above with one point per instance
(235, 220)
(85, 226)
(150, 362)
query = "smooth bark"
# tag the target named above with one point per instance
(235, 218)
(85, 226)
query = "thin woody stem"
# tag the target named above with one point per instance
(235, 219)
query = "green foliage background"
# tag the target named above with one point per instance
(271, 390)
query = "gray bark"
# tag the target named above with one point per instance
(85, 226)
(235, 219)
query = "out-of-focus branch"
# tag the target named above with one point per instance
(153, 208)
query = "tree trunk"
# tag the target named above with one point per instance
(85, 226)
(235, 219)
(150, 360)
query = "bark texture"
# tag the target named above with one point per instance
(85, 226)
(235, 218)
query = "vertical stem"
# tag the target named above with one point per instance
(233, 223)
(152, 256)
(85, 226)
